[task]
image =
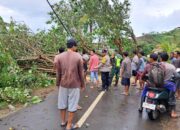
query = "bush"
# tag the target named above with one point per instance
(13, 95)
(15, 84)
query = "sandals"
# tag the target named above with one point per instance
(175, 117)
(126, 94)
(133, 84)
(73, 127)
(79, 107)
(64, 124)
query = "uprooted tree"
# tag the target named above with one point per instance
(90, 21)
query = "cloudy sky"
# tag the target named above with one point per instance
(146, 15)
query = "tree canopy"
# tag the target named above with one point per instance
(92, 21)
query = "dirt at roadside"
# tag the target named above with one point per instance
(41, 92)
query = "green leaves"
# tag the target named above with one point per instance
(14, 95)
(93, 19)
(15, 84)
(36, 100)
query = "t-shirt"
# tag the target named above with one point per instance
(176, 63)
(170, 70)
(93, 62)
(70, 72)
(134, 63)
(141, 65)
(126, 68)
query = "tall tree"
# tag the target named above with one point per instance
(90, 19)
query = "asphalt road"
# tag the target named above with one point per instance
(113, 112)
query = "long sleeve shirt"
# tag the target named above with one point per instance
(69, 70)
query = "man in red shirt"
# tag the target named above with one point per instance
(93, 62)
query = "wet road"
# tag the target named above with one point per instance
(113, 112)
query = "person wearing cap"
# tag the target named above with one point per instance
(69, 80)
(105, 68)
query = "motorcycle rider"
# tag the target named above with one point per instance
(152, 60)
(169, 71)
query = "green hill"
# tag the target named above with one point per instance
(165, 41)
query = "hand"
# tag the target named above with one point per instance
(120, 75)
(82, 89)
(96, 67)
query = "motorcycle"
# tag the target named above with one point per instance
(156, 100)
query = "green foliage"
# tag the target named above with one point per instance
(15, 84)
(166, 41)
(167, 47)
(14, 95)
(35, 100)
(90, 20)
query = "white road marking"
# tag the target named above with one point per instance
(89, 110)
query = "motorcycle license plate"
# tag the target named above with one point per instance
(149, 106)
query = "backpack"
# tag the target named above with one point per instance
(156, 75)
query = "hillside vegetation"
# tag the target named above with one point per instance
(165, 41)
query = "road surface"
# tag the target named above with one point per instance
(113, 112)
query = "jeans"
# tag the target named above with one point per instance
(94, 76)
(105, 80)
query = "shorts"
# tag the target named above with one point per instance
(94, 76)
(125, 81)
(68, 98)
(139, 75)
(134, 72)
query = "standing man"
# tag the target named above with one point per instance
(140, 69)
(173, 57)
(134, 66)
(176, 63)
(115, 62)
(93, 62)
(125, 73)
(69, 80)
(105, 69)
(61, 50)
(169, 71)
(85, 63)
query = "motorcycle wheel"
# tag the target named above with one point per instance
(153, 115)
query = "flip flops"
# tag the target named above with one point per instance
(79, 107)
(73, 127)
(126, 94)
(64, 124)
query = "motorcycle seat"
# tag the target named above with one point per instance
(156, 89)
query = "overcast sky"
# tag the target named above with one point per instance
(146, 15)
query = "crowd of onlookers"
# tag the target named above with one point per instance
(72, 69)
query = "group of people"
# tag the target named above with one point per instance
(72, 69)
